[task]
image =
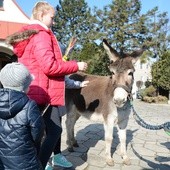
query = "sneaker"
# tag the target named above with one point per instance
(60, 160)
(48, 167)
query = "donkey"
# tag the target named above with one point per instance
(106, 98)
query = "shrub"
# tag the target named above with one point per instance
(148, 99)
(148, 83)
(156, 99)
(161, 99)
(149, 91)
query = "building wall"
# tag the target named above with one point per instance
(12, 18)
(13, 13)
(142, 73)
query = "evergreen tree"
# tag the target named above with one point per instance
(96, 57)
(158, 33)
(123, 24)
(73, 18)
(161, 72)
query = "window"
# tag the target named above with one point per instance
(1, 4)
(141, 65)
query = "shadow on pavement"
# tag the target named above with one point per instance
(89, 136)
(167, 144)
(164, 158)
(153, 165)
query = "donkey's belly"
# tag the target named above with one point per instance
(96, 117)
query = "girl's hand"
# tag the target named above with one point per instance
(82, 66)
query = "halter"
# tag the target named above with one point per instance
(127, 89)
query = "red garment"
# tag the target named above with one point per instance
(41, 54)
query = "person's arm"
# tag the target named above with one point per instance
(47, 56)
(72, 84)
(36, 122)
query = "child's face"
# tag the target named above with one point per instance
(48, 18)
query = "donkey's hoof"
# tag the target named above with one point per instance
(70, 149)
(127, 161)
(110, 162)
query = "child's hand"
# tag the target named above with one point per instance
(84, 83)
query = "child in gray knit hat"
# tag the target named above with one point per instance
(21, 124)
(15, 76)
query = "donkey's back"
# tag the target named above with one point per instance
(94, 98)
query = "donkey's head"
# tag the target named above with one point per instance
(122, 69)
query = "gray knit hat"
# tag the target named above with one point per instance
(15, 76)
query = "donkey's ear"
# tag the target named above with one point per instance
(136, 55)
(135, 59)
(113, 54)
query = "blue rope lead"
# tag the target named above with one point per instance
(141, 122)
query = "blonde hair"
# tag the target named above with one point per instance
(41, 7)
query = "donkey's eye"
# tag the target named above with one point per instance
(111, 61)
(130, 73)
(113, 73)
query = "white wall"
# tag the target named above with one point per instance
(142, 73)
(12, 13)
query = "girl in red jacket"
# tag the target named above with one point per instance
(37, 48)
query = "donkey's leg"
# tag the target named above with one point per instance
(123, 119)
(122, 137)
(71, 119)
(108, 127)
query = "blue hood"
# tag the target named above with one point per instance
(11, 102)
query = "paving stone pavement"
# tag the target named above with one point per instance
(148, 149)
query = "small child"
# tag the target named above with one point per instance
(21, 124)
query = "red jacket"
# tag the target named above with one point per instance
(41, 53)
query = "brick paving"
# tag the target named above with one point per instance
(148, 149)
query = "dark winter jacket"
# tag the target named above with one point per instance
(21, 128)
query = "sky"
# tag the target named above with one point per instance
(163, 5)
